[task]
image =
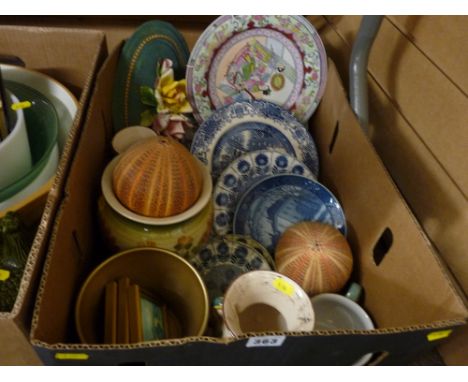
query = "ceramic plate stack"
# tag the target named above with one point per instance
(247, 126)
(253, 83)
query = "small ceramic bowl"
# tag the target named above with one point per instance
(261, 301)
(42, 128)
(160, 272)
(66, 106)
(111, 199)
(15, 154)
(64, 102)
(184, 238)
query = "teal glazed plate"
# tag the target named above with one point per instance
(150, 43)
(42, 126)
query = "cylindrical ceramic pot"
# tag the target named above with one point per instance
(184, 238)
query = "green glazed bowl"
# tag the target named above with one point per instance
(150, 43)
(42, 127)
(184, 238)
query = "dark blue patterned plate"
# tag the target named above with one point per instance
(222, 260)
(241, 174)
(243, 127)
(247, 240)
(275, 203)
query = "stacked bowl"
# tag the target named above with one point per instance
(45, 111)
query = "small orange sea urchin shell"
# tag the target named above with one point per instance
(158, 177)
(315, 255)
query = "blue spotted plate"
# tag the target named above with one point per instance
(247, 240)
(275, 203)
(247, 126)
(222, 260)
(241, 174)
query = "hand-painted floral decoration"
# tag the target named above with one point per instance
(168, 102)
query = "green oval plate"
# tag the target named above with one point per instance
(151, 42)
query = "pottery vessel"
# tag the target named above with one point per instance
(184, 238)
(161, 273)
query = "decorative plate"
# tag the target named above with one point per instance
(150, 43)
(280, 59)
(248, 126)
(275, 203)
(241, 174)
(247, 240)
(222, 260)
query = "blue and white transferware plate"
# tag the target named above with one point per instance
(221, 261)
(247, 240)
(248, 126)
(280, 59)
(275, 203)
(241, 174)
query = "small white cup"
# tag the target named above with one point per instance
(334, 311)
(261, 301)
(15, 154)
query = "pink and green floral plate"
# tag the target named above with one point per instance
(280, 59)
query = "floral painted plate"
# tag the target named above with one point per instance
(241, 174)
(223, 260)
(248, 126)
(280, 59)
(275, 203)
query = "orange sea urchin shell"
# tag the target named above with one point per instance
(157, 177)
(315, 255)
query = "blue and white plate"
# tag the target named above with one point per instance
(221, 261)
(244, 172)
(242, 127)
(247, 240)
(275, 203)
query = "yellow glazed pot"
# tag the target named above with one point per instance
(183, 238)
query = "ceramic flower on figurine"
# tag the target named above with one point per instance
(170, 107)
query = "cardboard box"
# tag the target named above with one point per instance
(415, 86)
(409, 295)
(72, 57)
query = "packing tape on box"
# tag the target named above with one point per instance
(71, 356)
(434, 336)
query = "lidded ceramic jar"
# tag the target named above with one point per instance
(157, 177)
